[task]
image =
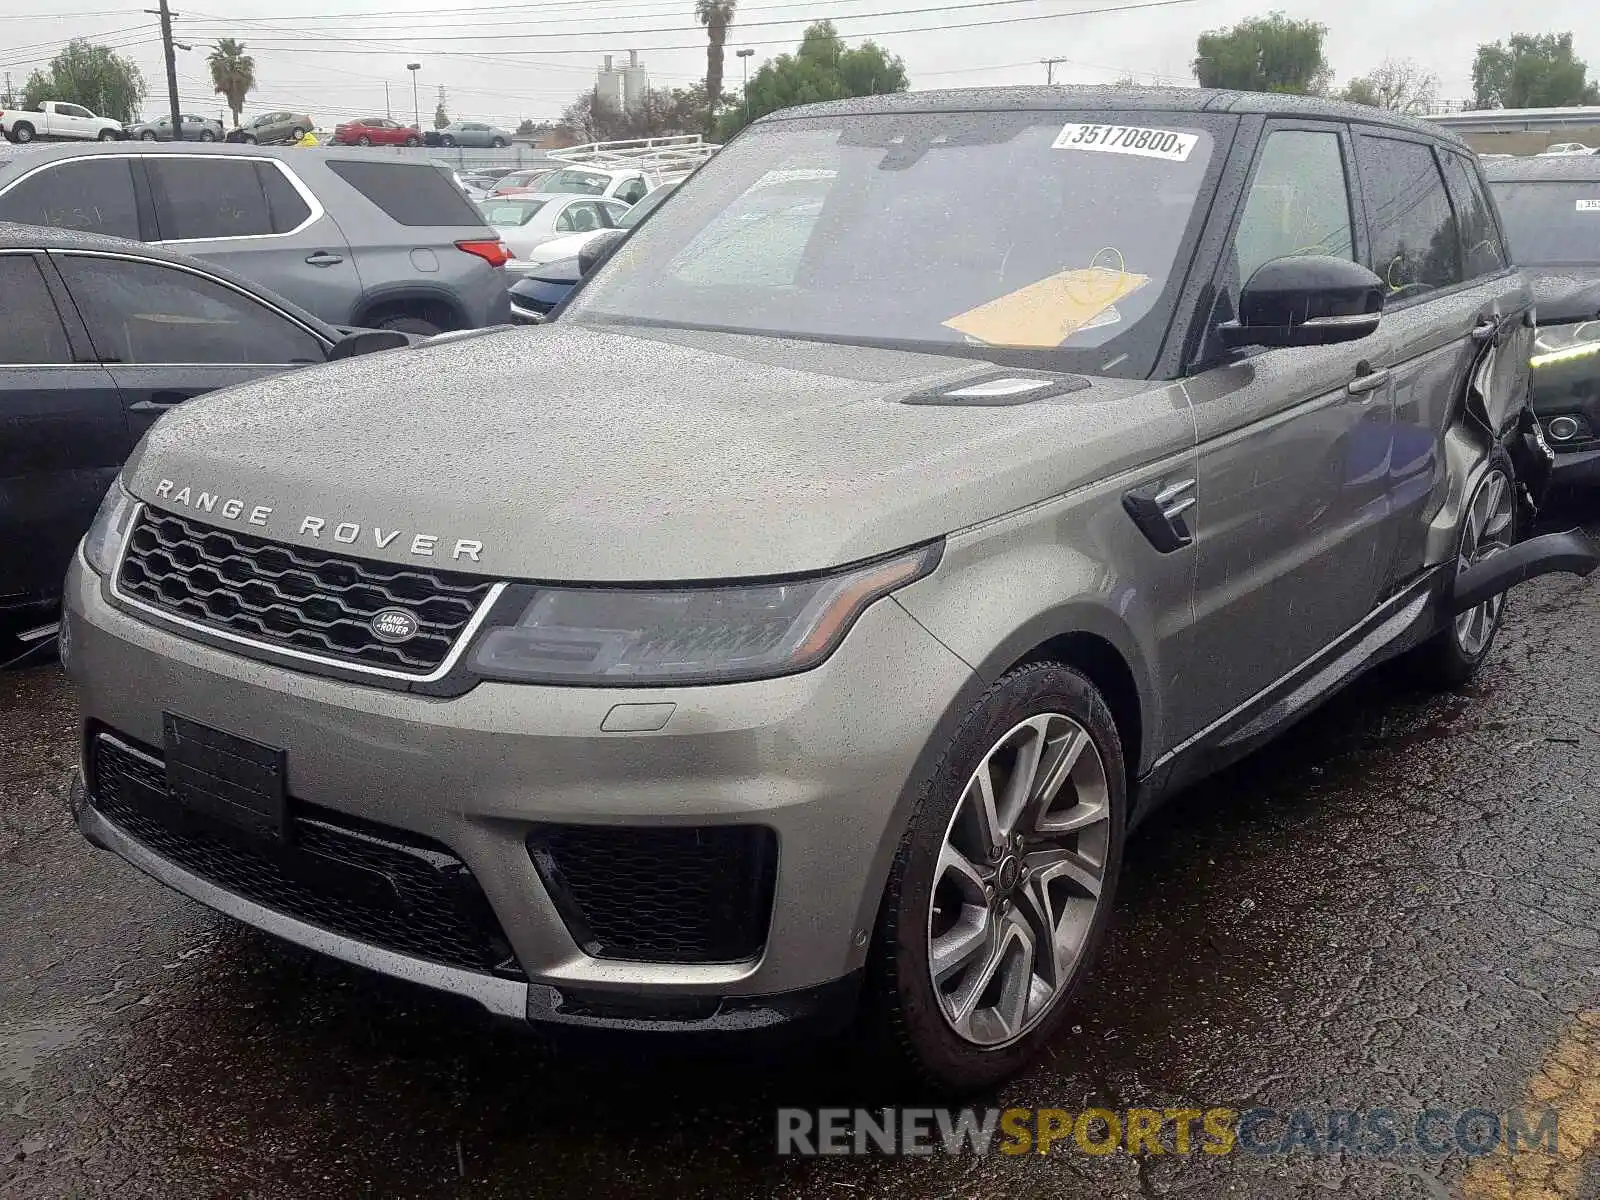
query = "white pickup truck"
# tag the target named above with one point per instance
(58, 119)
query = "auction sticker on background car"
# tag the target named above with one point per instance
(1127, 139)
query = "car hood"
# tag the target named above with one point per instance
(582, 453)
(1566, 293)
(566, 245)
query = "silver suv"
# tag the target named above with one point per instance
(358, 238)
(799, 624)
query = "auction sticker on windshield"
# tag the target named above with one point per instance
(1589, 206)
(1127, 139)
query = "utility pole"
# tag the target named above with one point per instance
(387, 111)
(166, 16)
(1050, 69)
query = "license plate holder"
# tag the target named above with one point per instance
(225, 778)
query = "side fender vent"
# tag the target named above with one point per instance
(1158, 508)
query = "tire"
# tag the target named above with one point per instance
(296, 134)
(207, 136)
(249, 139)
(149, 135)
(411, 141)
(1453, 656)
(905, 1013)
(107, 135)
(22, 133)
(416, 325)
(363, 140)
(498, 143)
(447, 141)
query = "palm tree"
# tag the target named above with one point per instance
(233, 72)
(716, 16)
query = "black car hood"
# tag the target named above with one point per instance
(1566, 294)
(563, 270)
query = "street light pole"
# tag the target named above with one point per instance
(745, 54)
(416, 105)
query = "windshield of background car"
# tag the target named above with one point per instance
(1550, 224)
(509, 214)
(1038, 238)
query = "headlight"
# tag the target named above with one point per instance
(1563, 343)
(710, 634)
(104, 539)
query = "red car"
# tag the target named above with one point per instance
(376, 131)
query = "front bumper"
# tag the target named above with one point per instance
(823, 759)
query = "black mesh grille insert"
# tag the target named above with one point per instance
(295, 597)
(684, 895)
(395, 890)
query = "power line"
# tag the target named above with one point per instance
(622, 36)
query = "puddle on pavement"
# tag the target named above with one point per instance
(27, 1046)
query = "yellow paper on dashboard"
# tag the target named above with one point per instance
(1047, 313)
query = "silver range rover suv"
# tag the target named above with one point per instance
(797, 625)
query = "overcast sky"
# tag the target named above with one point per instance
(502, 61)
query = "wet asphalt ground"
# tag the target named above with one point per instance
(1398, 904)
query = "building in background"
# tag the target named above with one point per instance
(622, 89)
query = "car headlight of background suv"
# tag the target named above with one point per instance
(690, 634)
(104, 539)
(1557, 344)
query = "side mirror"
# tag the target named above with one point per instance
(368, 341)
(599, 248)
(1307, 300)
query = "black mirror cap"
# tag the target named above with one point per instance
(598, 248)
(1307, 300)
(368, 341)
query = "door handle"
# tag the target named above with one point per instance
(158, 402)
(1368, 381)
(324, 258)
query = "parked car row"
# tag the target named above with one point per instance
(866, 571)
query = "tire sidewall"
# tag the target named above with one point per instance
(941, 1056)
(1468, 664)
(22, 134)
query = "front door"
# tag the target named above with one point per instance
(1294, 450)
(65, 436)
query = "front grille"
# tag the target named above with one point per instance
(387, 888)
(292, 597)
(682, 895)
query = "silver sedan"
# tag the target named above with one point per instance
(525, 222)
(195, 129)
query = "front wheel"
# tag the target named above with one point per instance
(1003, 884)
(447, 141)
(296, 134)
(1488, 527)
(149, 135)
(498, 143)
(107, 135)
(207, 136)
(411, 141)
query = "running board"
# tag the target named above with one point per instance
(1571, 552)
(39, 633)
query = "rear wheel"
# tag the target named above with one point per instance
(296, 134)
(207, 136)
(415, 325)
(22, 133)
(149, 135)
(498, 143)
(363, 140)
(1488, 527)
(1002, 887)
(447, 140)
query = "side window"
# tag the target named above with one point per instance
(1299, 201)
(413, 194)
(1481, 251)
(611, 213)
(33, 327)
(287, 207)
(72, 110)
(143, 312)
(207, 198)
(92, 194)
(1415, 247)
(631, 192)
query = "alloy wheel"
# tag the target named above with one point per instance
(1489, 530)
(1018, 880)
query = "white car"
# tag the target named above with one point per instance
(573, 243)
(628, 184)
(526, 222)
(1564, 148)
(57, 119)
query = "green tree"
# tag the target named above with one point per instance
(94, 76)
(822, 68)
(1265, 54)
(1399, 85)
(1532, 71)
(441, 115)
(716, 16)
(233, 74)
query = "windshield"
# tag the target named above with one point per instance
(1031, 237)
(508, 214)
(1551, 224)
